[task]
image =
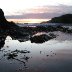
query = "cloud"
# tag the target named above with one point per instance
(33, 16)
(43, 12)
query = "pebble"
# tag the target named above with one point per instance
(47, 55)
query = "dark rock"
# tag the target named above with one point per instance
(52, 35)
(47, 55)
(67, 18)
(63, 19)
(4, 24)
(40, 38)
(2, 18)
(20, 51)
(26, 58)
(10, 28)
(12, 56)
(2, 41)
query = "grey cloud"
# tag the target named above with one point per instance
(48, 12)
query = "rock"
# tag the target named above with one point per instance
(2, 18)
(47, 55)
(10, 28)
(52, 35)
(40, 38)
(3, 22)
(67, 18)
(2, 41)
(20, 51)
(12, 56)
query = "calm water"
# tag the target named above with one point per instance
(47, 24)
(52, 56)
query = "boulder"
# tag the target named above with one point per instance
(41, 38)
(2, 41)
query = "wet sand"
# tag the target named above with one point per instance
(54, 55)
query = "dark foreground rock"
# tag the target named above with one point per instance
(41, 38)
(2, 41)
(10, 28)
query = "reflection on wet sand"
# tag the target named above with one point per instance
(32, 57)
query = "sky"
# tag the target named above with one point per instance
(34, 10)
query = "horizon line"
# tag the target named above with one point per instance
(28, 20)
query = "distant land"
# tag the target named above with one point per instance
(67, 18)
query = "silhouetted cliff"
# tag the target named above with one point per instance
(4, 24)
(67, 18)
(10, 28)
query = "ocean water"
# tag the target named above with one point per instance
(54, 55)
(46, 24)
(38, 24)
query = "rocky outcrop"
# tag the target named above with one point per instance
(10, 28)
(4, 24)
(2, 18)
(67, 18)
(2, 41)
(41, 38)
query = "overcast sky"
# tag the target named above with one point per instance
(35, 9)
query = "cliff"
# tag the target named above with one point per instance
(4, 24)
(67, 18)
(10, 28)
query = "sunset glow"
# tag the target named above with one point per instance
(28, 20)
(34, 10)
